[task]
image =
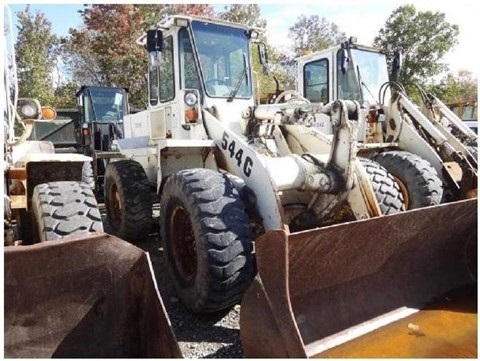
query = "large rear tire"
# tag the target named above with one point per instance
(418, 180)
(207, 239)
(128, 201)
(387, 191)
(62, 209)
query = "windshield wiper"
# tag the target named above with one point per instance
(240, 79)
(362, 84)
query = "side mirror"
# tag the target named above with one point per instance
(396, 66)
(154, 46)
(262, 52)
(154, 40)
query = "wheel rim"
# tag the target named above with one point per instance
(404, 191)
(184, 250)
(115, 213)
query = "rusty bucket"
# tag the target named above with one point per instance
(320, 289)
(88, 297)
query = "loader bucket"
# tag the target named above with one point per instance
(83, 297)
(319, 291)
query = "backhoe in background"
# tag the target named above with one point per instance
(283, 208)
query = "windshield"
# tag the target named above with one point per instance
(104, 105)
(363, 77)
(469, 112)
(223, 54)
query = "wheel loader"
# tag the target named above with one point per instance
(259, 206)
(429, 150)
(70, 289)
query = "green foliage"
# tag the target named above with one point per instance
(103, 51)
(454, 88)
(153, 13)
(422, 37)
(65, 96)
(248, 14)
(310, 34)
(36, 52)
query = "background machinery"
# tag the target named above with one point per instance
(260, 204)
(430, 151)
(70, 290)
(88, 129)
(467, 111)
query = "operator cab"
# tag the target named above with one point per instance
(197, 63)
(348, 72)
(103, 110)
(102, 104)
(213, 58)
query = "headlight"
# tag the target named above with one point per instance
(29, 108)
(190, 99)
(181, 22)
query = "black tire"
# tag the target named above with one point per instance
(418, 180)
(207, 239)
(128, 201)
(387, 191)
(87, 174)
(62, 209)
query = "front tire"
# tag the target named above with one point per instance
(61, 209)
(128, 201)
(418, 180)
(387, 191)
(207, 239)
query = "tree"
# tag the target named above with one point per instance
(454, 88)
(104, 51)
(36, 54)
(310, 34)
(248, 14)
(65, 95)
(422, 37)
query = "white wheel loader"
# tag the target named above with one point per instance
(259, 206)
(70, 290)
(430, 151)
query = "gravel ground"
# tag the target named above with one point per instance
(199, 336)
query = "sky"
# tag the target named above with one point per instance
(360, 18)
